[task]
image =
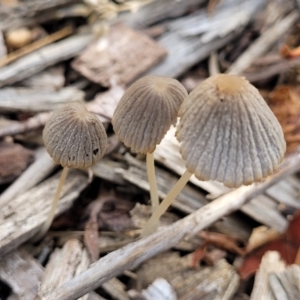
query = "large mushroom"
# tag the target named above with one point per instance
(143, 116)
(228, 134)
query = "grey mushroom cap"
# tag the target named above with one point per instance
(75, 137)
(146, 111)
(228, 133)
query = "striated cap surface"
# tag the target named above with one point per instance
(75, 137)
(146, 111)
(228, 133)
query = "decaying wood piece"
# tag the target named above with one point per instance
(36, 100)
(32, 123)
(263, 43)
(103, 61)
(63, 265)
(36, 172)
(135, 253)
(22, 218)
(43, 58)
(186, 51)
(270, 263)
(22, 273)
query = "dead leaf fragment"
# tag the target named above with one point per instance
(287, 245)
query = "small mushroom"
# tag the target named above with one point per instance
(74, 138)
(228, 134)
(143, 116)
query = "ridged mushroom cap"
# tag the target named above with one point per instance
(75, 137)
(146, 111)
(228, 133)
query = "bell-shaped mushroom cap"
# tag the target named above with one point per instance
(75, 137)
(228, 133)
(146, 111)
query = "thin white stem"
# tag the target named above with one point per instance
(152, 180)
(152, 224)
(51, 214)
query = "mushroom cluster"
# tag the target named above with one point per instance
(228, 134)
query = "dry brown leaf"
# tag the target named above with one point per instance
(287, 245)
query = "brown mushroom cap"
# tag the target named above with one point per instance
(228, 133)
(75, 137)
(146, 111)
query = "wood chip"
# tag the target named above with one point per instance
(63, 265)
(270, 263)
(22, 273)
(22, 218)
(104, 61)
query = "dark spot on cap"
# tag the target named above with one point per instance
(95, 151)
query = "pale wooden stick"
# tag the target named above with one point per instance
(135, 253)
(152, 180)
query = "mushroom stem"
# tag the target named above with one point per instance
(152, 224)
(152, 180)
(51, 214)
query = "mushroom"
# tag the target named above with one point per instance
(228, 134)
(74, 138)
(143, 116)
